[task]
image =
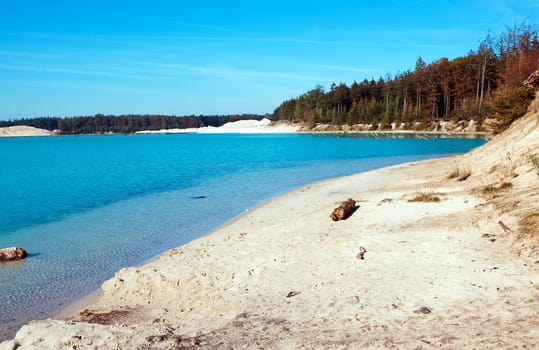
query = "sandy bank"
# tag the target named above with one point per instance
(22, 130)
(441, 274)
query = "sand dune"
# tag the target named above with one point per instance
(263, 126)
(439, 274)
(22, 130)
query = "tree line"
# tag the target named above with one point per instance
(486, 83)
(127, 123)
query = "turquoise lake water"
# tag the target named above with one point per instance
(86, 206)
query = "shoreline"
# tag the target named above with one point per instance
(385, 133)
(241, 127)
(70, 289)
(443, 273)
(72, 311)
(373, 134)
(215, 299)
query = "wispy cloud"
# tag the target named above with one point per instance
(77, 85)
(29, 54)
(172, 38)
(391, 38)
(174, 71)
(213, 28)
(422, 32)
(344, 68)
(238, 74)
(27, 68)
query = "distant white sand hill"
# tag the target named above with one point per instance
(238, 127)
(23, 130)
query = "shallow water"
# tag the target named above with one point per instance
(86, 206)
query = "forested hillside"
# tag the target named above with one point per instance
(126, 123)
(485, 83)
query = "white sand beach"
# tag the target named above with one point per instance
(459, 273)
(23, 130)
(263, 126)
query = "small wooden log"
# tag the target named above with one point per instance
(13, 253)
(292, 293)
(423, 310)
(463, 177)
(361, 254)
(504, 226)
(344, 210)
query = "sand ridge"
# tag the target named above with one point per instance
(23, 130)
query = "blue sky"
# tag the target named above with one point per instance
(66, 58)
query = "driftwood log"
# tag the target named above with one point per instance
(464, 177)
(344, 210)
(504, 226)
(361, 254)
(13, 253)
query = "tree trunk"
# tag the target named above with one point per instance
(418, 102)
(404, 108)
(397, 106)
(482, 82)
(387, 104)
(447, 99)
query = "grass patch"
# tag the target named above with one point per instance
(492, 189)
(454, 174)
(425, 197)
(459, 173)
(534, 159)
(505, 185)
(488, 189)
